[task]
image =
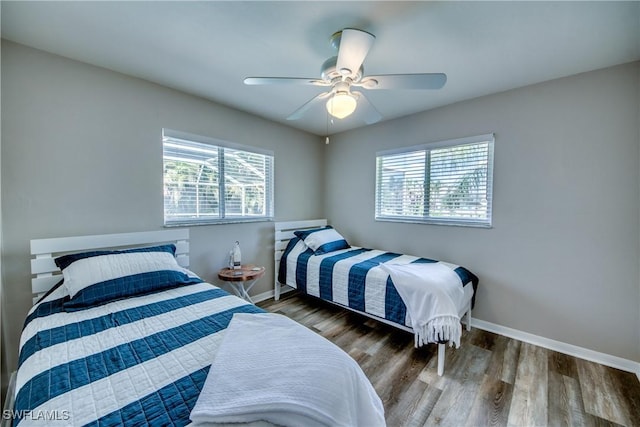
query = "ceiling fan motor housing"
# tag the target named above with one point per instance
(329, 72)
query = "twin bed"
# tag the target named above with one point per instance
(362, 280)
(133, 337)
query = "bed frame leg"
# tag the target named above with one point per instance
(441, 350)
(276, 284)
(469, 317)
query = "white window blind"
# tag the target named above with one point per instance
(210, 181)
(448, 182)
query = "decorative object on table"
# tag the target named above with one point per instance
(237, 255)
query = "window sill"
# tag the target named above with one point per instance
(457, 223)
(217, 222)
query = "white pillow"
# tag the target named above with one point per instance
(90, 271)
(323, 240)
(94, 278)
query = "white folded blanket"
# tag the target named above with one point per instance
(272, 369)
(433, 295)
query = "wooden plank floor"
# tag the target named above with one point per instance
(490, 380)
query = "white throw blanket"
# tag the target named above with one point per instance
(273, 369)
(433, 294)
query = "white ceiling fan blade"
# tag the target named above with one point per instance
(284, 81)
(354, 47)
(403, 81)
(370, 113)
(309, 104)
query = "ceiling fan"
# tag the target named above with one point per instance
(344, 72)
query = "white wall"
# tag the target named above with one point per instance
(82, 154)
(561, 260)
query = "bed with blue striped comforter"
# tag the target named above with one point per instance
(352, 278)
(137, 361)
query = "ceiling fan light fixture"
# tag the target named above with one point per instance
(341, 105)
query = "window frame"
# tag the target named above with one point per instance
(428, 148)
(220, 145)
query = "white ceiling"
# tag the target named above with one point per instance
(208, 48)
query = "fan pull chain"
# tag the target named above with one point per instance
(326, 140)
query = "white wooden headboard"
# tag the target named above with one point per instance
(283, 233)
(45, 273)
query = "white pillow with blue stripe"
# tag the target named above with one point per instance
(93, 278)
(323, 240)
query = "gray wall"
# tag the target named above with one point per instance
(82, 154)
(561, 260)
(3, 384)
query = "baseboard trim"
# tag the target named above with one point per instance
(561, 347)
(270, 294)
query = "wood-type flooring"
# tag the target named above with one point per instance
(491, 380)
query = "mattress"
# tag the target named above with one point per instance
(137, 361)
(352, 278)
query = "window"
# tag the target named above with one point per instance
(448, 182)
(208, 181)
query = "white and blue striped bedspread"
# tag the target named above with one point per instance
(137, 361)
(352, 278)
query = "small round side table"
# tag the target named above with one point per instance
(242, 280)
